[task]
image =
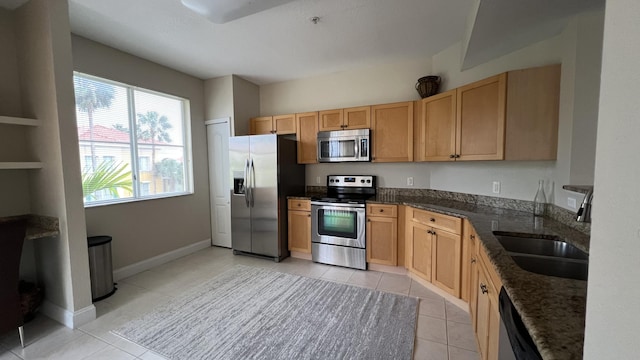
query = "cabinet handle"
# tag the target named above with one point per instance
(429, 232)
(473, 260)
(368, 220)
(299, 204)
(433, 233)
(432, 220)
(309, 215)
(381, 210)
(473, 237)
(483, 288)
(457, 156)
(452, 156)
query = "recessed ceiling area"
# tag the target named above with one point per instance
(281, 43)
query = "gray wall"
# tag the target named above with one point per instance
(148, 228)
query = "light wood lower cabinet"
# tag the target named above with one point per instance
(435, 248)
(488, 315)
(469, 240)
(299, 225)
(382, 234)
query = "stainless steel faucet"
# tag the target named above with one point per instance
(584, 213)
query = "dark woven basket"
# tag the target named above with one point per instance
(31, 297)
(428, 86)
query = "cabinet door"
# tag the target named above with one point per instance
(331, 120)
(481, 119)
(438, 127)
(392, 132)
(300, 231)
(382, 240)
(357, 118)
(468, 254)
(447, 255)
(261, 125)
(284, 124)
(307, 125)
(420, 262)
(483, 313)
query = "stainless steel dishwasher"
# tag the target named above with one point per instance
(515, 341)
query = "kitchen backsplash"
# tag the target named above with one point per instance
(552, 211)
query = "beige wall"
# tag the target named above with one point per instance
(612, 321)
(395, 82)
(362, 86)
(148, 228)
(14, 184)
(246, 104)
(45, 67)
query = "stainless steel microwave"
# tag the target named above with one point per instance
(344, 145)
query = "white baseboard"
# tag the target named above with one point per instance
(67, 318)
(147, 264)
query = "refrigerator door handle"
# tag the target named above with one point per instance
(247, 189)
(252, 175)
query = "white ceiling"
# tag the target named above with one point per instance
(281, 43)
(277, 44)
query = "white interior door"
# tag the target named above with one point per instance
(218, 147)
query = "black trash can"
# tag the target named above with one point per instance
(100, 267)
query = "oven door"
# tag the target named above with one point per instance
(338, 224)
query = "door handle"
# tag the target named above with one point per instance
(246, 182)
(356, 147)
(252, 175)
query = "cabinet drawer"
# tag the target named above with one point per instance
(298, 204)
(382, 210)
(440, 221)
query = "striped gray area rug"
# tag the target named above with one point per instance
(251, 313)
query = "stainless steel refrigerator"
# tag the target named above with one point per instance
(264, 171)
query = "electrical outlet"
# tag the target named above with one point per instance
(410, 181)
(571, 202)
(495, 225)
(317, 179)
(496, 187)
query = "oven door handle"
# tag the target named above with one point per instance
(338, 205)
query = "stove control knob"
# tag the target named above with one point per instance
(368, 181)
(337, 180)
(331, 180)
(362, 180)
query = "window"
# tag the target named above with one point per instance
(134, 143)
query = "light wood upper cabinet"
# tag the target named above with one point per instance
(357, 118)
(480, 119)
(392, 132)
(306, 135)
(510, 116)
(437, 127)
(279, 124)
(382, 234)
(299, 223)
(345, 119)
(261, 125)
(284, 124)
(533, 103)
(331, 120)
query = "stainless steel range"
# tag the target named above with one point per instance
(338, 225)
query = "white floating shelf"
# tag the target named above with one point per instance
(18, 121)
(10, 165)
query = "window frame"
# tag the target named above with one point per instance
(187, 151)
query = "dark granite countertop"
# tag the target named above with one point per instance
(38, 226)
(552, 308)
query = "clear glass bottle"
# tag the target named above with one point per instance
(540, 200)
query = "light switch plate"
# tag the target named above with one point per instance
(410, 181)
(496, 187)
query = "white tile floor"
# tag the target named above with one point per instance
(443, 333)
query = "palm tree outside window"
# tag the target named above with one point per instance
(133, 143)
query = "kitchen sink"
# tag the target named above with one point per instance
(541, 246)
(546, 255)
